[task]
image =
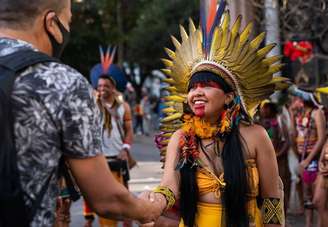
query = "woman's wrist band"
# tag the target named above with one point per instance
(168, 194)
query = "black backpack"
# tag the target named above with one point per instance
(13, 211)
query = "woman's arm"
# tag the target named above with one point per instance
(171, 176)
(323, 162)
(270, 183)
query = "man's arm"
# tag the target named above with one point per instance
(128, 129)
(105, 195)
(128, 132)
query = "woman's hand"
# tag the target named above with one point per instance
(323, 168)
(302, 166)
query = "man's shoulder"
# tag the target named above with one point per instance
(58, 69)
(54, 75)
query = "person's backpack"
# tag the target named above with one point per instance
(13, 211)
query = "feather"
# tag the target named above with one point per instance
(210, 16)
(218, 15)
(107, 58)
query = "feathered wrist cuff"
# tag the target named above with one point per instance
(168, 194)
(272, 211)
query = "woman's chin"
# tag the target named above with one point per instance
(199, 112)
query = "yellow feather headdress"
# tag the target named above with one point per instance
(229, 54)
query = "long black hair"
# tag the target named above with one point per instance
(235, 175)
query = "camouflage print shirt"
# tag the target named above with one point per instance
(55, 115)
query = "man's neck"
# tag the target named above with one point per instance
(24, 36)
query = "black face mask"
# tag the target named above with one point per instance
(58, 48)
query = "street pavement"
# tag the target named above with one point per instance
(146, 175)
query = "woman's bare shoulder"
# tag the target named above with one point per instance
(253, 136)
(251, 130)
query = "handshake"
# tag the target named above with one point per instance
(158, 200)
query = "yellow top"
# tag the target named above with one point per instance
(208, 182)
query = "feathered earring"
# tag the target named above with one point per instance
(230, 117)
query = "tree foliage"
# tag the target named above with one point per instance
(140, 28)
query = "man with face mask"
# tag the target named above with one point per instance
(55, 116)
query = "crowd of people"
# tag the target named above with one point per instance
(227, 146)
(298, 128)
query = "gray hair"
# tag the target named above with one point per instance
(22, 13)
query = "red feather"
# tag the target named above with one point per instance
(211, 15)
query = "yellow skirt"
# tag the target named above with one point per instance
(209, 214)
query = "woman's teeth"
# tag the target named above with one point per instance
(199, 102)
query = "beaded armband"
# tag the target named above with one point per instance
(168, 194)
(272, 210)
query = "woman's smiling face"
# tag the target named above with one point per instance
(207, 99)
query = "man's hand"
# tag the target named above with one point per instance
(123, 155)
(159, 203)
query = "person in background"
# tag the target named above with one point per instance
(139, 114)
(146, 106)
(320, 199)
(117, 135)
(309, 124)
(279, 136)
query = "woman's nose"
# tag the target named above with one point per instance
(198, 91)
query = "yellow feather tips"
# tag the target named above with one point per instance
(168, 80)
(192, 27)
(167, 62)
(175, 42)
(172, 117)
(174, 98)
(244, 36)
(171, 89)
(170, 53)
(281, 83)
(184, 35)
(169, 110)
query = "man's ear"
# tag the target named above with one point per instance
(52, 27)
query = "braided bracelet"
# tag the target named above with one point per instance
(168, 194)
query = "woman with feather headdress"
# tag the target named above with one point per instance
(219, 164)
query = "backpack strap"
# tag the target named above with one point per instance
(38, 200)
(10, 66)
(18, 61)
